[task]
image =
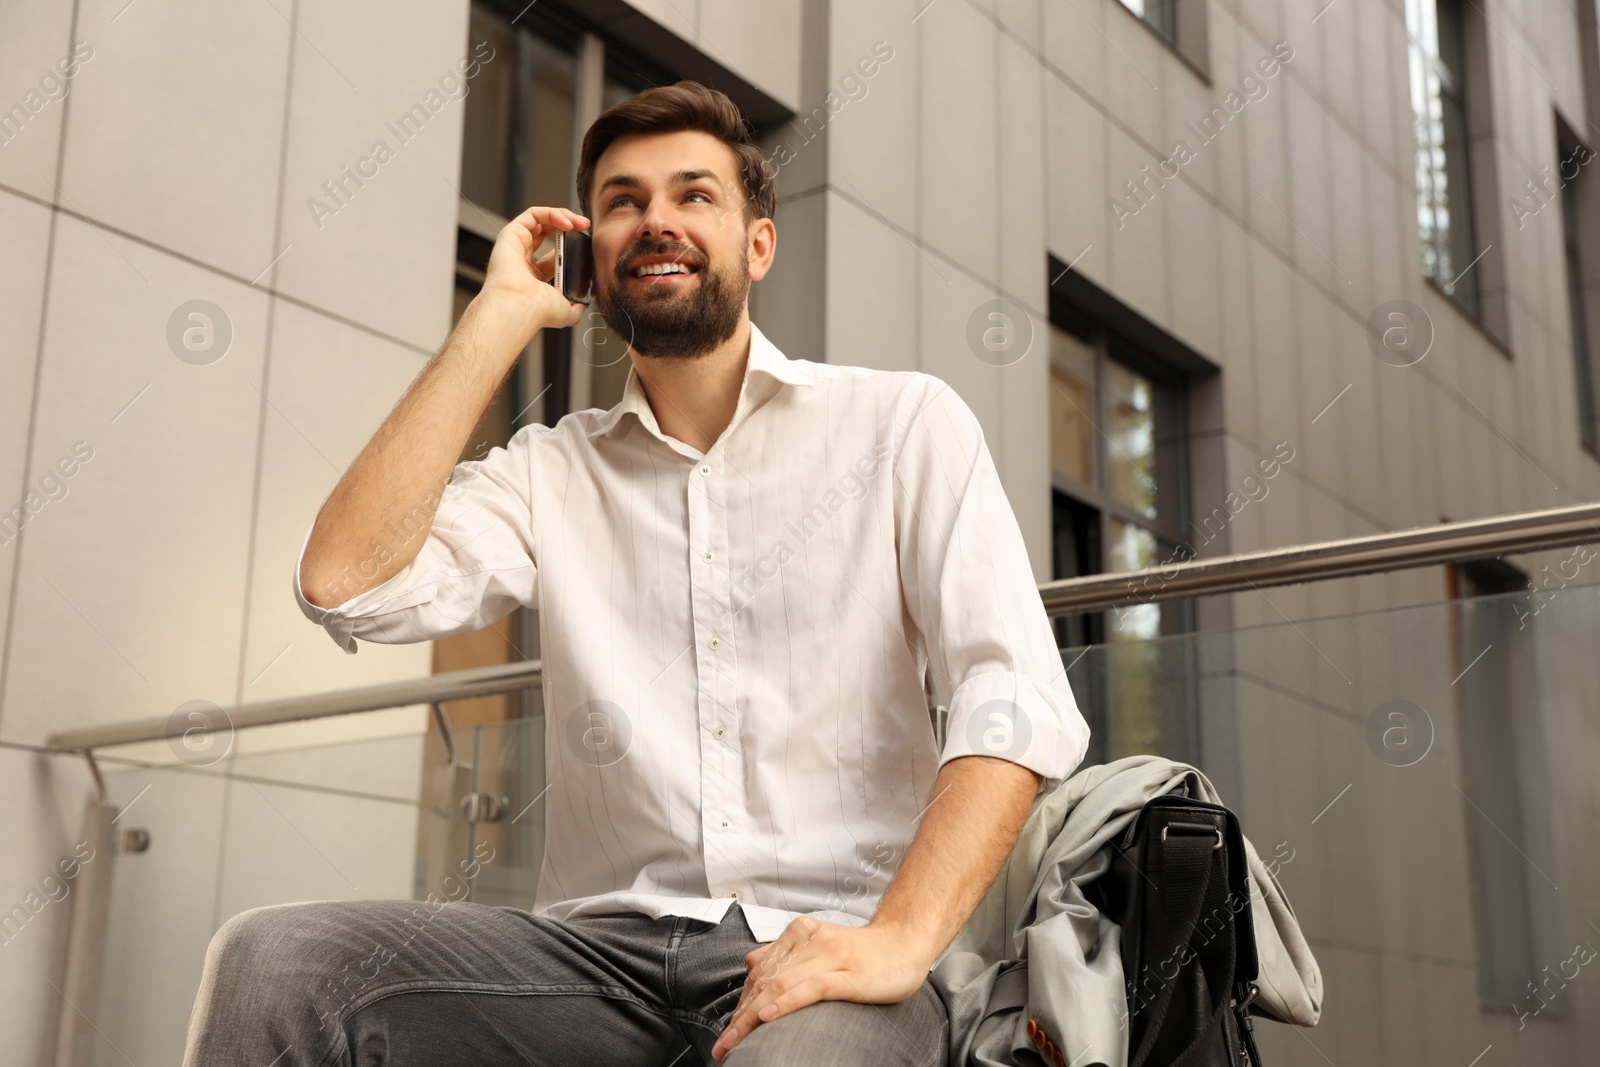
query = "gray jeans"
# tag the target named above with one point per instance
(393, 982)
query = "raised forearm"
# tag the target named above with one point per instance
(979, 805)
(399, 476)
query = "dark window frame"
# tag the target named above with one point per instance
(1449, 250)
(1172, 479)
(1580, 218)
(1458, 144)
(1081, 527)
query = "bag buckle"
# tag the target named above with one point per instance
(1250, 998)
(1214, 830)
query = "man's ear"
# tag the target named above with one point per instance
(762, 244)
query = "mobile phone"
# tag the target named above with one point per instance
(574, 265)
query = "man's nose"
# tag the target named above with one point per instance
(658, 221)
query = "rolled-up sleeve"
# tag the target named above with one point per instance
(969, 589)
(475, 566)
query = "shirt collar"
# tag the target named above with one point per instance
(765, 358)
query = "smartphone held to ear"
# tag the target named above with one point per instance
(574, 265)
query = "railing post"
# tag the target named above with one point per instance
(86, 940)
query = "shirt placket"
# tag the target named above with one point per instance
(722, 802)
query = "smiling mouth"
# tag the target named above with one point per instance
(663, 273)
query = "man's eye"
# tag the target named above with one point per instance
(697, 192)
(618, 201)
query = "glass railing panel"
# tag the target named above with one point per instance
(1427, 779)
(483, 822)
(162, 909)
(333, 822)
(509, 766)
(1153, 687)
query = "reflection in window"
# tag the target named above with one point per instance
(1071, 400)
(545, 148)
(518, 139)
(1133, 548)
(1438, 102)
(616, 92)
(1131, 416)
(486, 137)
(1158, 13)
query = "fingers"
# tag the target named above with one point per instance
(794, 994)
(544, 268)
(803, 984)
(762, 963)
(774, 970)
(544, 220)
(780, 974)
(575, 314)
(528, 230)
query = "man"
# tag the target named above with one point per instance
(743, 570)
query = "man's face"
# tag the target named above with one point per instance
(672, 251)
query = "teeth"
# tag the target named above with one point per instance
(661, 268)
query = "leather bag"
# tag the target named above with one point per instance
(1178, 887)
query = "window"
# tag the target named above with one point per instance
(1158, 13)
(549, 79)
(1439, 103)
(1116, 456)
(1580, 221)
(1181, 23)
(517, 146)
(1118, 472)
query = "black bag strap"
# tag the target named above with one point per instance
(1192, 886)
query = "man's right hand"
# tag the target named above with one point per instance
(519, 285)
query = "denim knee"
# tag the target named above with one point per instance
(253, 1002)
(250, 940)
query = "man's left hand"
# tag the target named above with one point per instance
(814, 960)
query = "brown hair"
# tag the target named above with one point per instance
(688, 105)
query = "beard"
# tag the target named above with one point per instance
(668, 324)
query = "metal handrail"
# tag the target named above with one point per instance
(1449, 542)
(1423, 546)
(433, 689)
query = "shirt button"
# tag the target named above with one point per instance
(737, 895)
(705, 470)
(715, 642)
(708, 557)
(718, 732)
(724, 824)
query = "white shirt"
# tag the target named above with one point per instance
(734, 641)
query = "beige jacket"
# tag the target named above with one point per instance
(1037, 952)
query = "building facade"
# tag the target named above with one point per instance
(1215, 276)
